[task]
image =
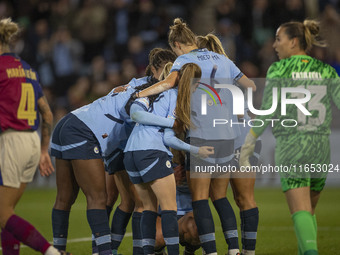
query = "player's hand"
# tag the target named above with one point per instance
(206, 151)
(120, 89)
(132, 98)
(45, 165)
(247, 150)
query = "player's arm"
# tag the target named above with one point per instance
(161, 86)
(45, 164)
(172, 141)
(245, 82)
(140, 115)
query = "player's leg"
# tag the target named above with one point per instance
(199, 188)
(67, 192)
(111, 191)
(19, 228)
(149, 217)
(243, 190)
(188, 234)
(90, 176)
(112, 195)
(218, 191)
(160, 243)
(123, 212)
(165, 190)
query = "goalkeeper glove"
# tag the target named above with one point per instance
(247, 149)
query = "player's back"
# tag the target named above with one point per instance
(144, 137)
(318, 78)
(19, 93)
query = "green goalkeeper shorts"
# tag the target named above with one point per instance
(305, 158)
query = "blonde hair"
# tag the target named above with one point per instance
(166, 71)
(187, 72)
(211, 42)
(307, 32)
(180, 32)
(7, 30)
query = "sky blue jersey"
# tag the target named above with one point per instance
(144, 137)
(107, 119)
(216, 69)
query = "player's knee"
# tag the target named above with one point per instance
(192, 234)
(65, 201)
(96, 199)
(244, 202)
(159, 242)
(127, 205)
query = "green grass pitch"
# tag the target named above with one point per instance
(275, 233)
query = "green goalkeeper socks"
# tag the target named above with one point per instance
(305, 231)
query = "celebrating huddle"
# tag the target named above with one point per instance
(151, 133)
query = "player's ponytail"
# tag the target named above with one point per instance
(312, 34)
(180, 32)
(185, 88)
(211, 42)
(7, 30)
(307, 33)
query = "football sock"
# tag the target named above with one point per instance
(170, 231)
(94, 246)
(148, 229)
(60, 219)
(205, 225)
(99, 224)
(249, 223)
(120, 220)
(24, 232)
(190, 249)
(10, 245)
(305, 232)
(228, 222)
(137, 234)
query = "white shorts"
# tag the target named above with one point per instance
(19, 157)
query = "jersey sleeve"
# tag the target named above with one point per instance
(335, 91)
(140, 115)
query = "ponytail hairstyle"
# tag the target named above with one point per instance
(159, 57)
(187, 72)
(308, 33)
(180, 32)
(7, 30)
(166, 71)
(211, 42)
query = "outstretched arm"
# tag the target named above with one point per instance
(172, 141)
(140, 115)
(161, 86)
(45, 164)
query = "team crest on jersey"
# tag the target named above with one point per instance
(210, 102)
(96, 150)
(168, 164)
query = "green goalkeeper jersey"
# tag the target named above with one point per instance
(305, 72)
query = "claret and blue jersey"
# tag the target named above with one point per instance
(19, 94)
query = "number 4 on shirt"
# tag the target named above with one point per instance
(26, 109)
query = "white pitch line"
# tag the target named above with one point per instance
(77, 240)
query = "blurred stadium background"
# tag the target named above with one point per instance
(83, 48)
